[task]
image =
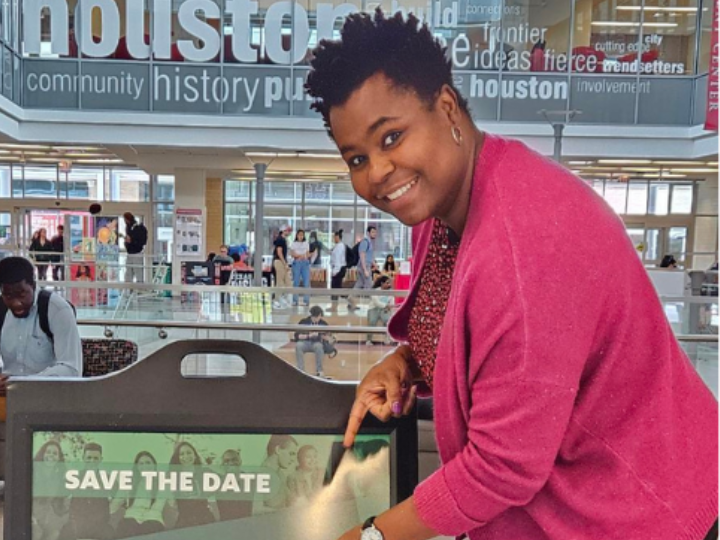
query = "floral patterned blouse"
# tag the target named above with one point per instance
(428, 312)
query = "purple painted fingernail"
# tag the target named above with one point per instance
(396, 407)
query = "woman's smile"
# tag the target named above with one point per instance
(401, 191)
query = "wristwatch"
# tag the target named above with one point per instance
(370, 531)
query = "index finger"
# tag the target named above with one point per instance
(357, 414)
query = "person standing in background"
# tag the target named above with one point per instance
(300, 252)
(136, 237)
(41, 252)
(366, 252)
(316, 249)
(281, 266)
(58, 257)
(338, 266)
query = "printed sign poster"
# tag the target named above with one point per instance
(189, 232)
(107, 256)
(82, 297)
(212, 486)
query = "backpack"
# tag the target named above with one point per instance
(139, 235)
(43, 303)
(352, 255)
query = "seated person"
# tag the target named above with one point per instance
(311, 341)
(25, 348)
(380, 307)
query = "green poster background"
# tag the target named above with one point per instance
(314, 489)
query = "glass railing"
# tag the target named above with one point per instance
(153, 315)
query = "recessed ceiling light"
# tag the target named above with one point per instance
(699, 170)
(657, 8)
(624, 161)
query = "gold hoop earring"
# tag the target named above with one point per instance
(456, 135)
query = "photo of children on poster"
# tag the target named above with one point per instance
(170, 486)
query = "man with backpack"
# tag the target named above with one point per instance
(136, 237)
(38, 332)
(365, 257)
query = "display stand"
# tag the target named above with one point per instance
(271, 404)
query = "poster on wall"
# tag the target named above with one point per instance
(189, 233)
(210, 486)
(84, 273)
(711, 118)
(107, 257)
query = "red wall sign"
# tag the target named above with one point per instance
(711, 117)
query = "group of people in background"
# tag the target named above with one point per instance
(305, 253)
(48, 251)
(145, 511)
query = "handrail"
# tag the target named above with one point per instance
(693, 338)
(311, 291)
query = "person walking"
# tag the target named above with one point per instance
(58, 257)
(136, 238)
(366, 258)
(569, 409)
(41, 252)
(281, 267)
(338, 266)
(300, 252)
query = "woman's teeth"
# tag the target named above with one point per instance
(402, 191)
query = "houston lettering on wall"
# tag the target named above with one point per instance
(711, 117)
(180, 58)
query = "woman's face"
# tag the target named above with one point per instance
(390, 259)
(337, 239)
(186, 455)
(43, 233)
(401, 153)
(301, 237)
(145, 463)
(52, 453)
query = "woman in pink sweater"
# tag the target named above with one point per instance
(565, 408)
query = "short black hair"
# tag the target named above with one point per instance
(92, 447)
(16, 269)
(380, 281)
(316, 311)
(371, 228)
(401, 49)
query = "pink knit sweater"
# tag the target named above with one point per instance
(565, 409)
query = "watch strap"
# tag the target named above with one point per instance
(368, 522)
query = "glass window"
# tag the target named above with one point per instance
(163, 231)
(5, 181)
(17, 181)
(282, 191)
(682, 199)
(342, 191)
(164, 187)
(652, 249)
(41, 182)
(343, 217)
(637, 198)
(605, 37)
(237, 223)
(637, 237)
(127, 185)
(535, 35)
(705, 37)
(599, 187)
(237, 190)
(317, 191)
(83, 183)
(668, 40)
(616, 195)
(677, 241)
(659, 199)
(332, 20)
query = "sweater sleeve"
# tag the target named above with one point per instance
(515, 425)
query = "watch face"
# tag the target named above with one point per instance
(371, 533)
